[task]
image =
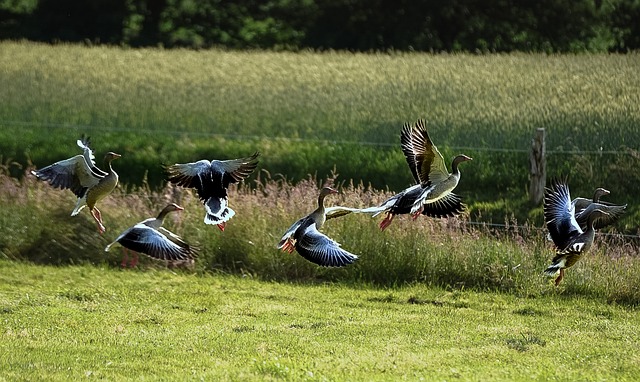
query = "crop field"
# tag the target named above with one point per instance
(427, 300)
(311, 113)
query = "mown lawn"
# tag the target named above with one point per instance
(97, 322)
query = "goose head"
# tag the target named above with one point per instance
(169, 208)
(111, 156)
(328, 191)
(173, 207)
(599, 192)
(459, 159)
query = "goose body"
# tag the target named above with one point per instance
(570, 240)
(81, 175)
(432, 195)
(305, 237)
(150, 238)
(211, 179)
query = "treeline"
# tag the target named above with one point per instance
(359, 25)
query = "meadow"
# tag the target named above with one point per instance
(96, 322)
(428, 299)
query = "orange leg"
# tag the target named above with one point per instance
(134, 261)
(125, 258)
(288, 246)
(221, 226)
(560, 276)
(386, 221)
(97, 216)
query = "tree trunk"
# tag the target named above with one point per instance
(537, 171)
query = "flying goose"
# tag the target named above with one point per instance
(150, 238)
(211, 179)
(570, 240)
(83, 178)
(304, 236)
(432, 194)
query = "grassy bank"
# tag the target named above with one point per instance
(309, 113)
(62, 323)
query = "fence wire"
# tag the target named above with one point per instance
(288, 139)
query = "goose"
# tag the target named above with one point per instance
(584, 206)
(211, 179)
(80, 175)
(304, 236)
(570, 240)
(150, 238)
(432, 194)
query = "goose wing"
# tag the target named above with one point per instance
(144, 239)
(320, 249)
(559, 214)
(177, 240)
(84, 143)
(73, 174)
(613, 213)
(447, 206)
(338, 211)
(406, 144)
(196, 175)
(429, 161)
(581, 203)
(236, 170)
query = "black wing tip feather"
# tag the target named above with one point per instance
(336, 259)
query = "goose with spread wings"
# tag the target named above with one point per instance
(305, 237)
(432, 194)
(81, 175)
(155, 241)
(571, 241)
(211, 179)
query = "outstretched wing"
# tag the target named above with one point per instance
(559, 214)
(613, 213)
(406, 144)
(84, 143)
(338, 211)
(236, 170)
(73, 174)
(177, 240)
(581, 203)
(144, 239)
(192, 175)
(320, 249)
(447, 206)
(429, 161)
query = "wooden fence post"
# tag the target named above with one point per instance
(538, 169)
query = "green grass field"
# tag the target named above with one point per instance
(309, 113)
(428, 299)
(96, 322)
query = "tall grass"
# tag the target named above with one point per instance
(35, 225)
(309, 113)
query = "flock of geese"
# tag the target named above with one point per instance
(571, 223)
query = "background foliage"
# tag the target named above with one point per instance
(362, 25)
